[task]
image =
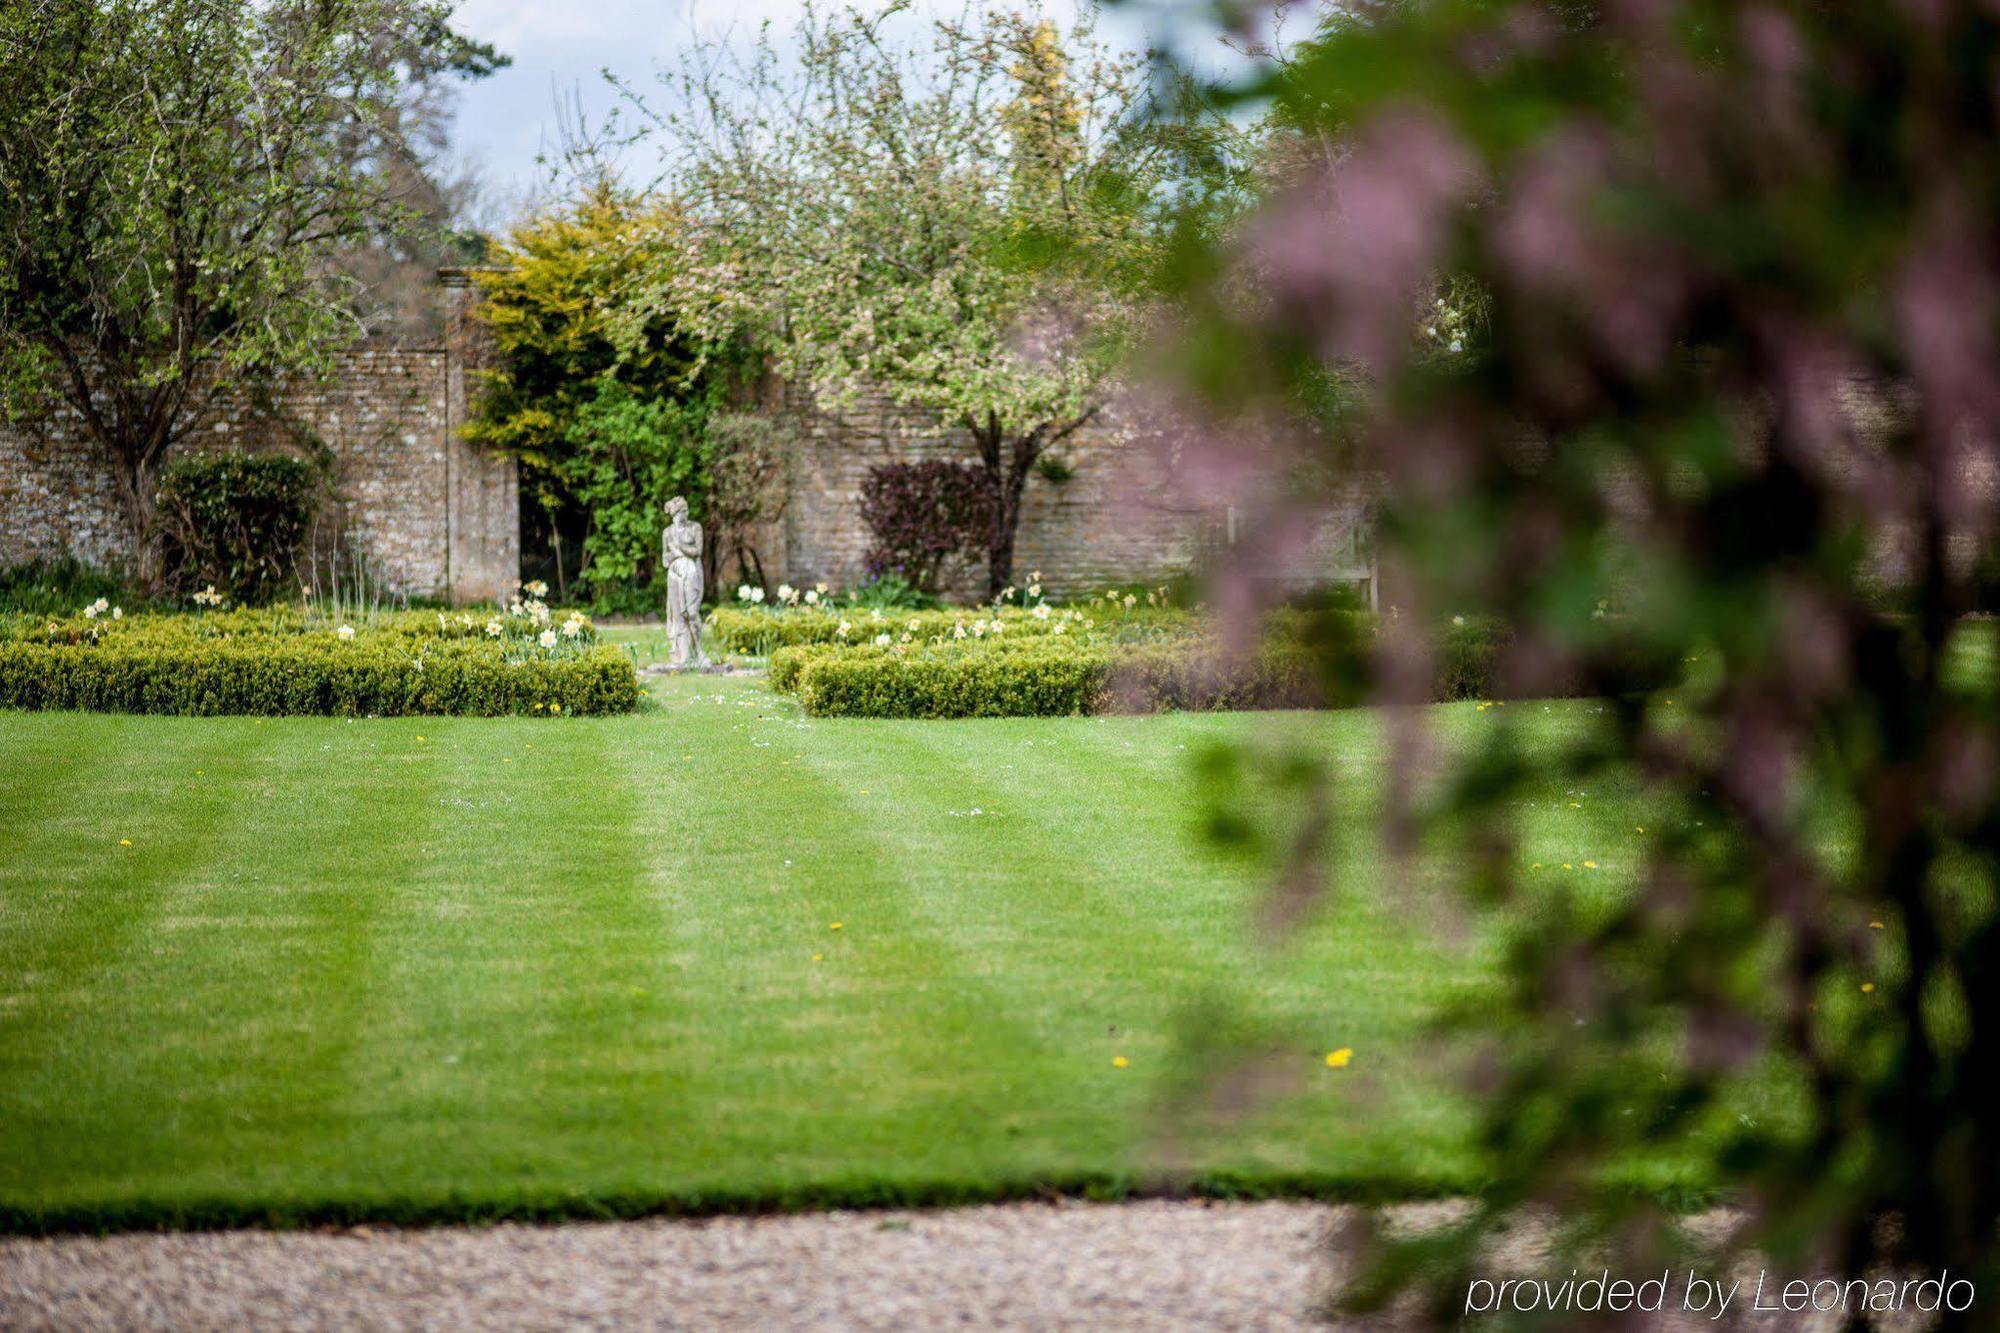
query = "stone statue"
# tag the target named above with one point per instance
(680, 552)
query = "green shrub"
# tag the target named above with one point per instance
(271, 662)
(236, 521)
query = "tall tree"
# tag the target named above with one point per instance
(183, 177)
(960, 224)
(604, 435)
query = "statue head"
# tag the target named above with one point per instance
(677, 509)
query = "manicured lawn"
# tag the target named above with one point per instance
(416, 969)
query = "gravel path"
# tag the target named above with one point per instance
(1150, 1265)
(1154, 1265)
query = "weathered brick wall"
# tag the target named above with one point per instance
(433, 515)
(1111, 522)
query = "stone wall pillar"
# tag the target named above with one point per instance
(482, 489)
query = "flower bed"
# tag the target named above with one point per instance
(290, 661)
(759, 632)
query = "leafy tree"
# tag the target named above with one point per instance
(182, 178)
(1694, 235)
(605, 431)
(962, 227)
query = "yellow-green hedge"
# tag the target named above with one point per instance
(1042, 677)
(760, 632)
(1304, 661)
(271, 663)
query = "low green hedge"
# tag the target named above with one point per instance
(761, 632)
(1044, 677)
(1304, 661)
(274, 663)
(302, 677)
(1045, 681)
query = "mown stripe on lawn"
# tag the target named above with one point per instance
(238, 999)
(112, 811)
(1176, 958)
(518, 985)
(905, 1061)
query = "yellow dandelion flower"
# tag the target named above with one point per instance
(833, 925)
(124, 842)
(1576, 805)
(1590, 865)
(819, 958)
(1119, 1062)
(1338, 1059)
(1867, 988)
(1568, 866)
(1874, 925)
(1640, 829)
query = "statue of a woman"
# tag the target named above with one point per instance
(680, 552)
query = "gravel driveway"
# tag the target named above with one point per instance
(1151, 1265)
(1128, 1266)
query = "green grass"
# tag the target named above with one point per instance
(445, 968)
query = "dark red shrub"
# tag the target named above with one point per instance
(919, 515)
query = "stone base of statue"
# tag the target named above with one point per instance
(684, 643)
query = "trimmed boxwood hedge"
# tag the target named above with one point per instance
(269, 663)
(760, 632)
(1305, 661)
(1044, 677)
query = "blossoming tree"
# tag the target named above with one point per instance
(958, 224)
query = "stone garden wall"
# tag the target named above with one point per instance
(1109, 522)
(433, 515)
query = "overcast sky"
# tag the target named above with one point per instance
(560, 47)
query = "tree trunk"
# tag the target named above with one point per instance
(139, 496)
(1007, 464)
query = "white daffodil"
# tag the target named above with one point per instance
(571, 629)
(742, 592)
(345, 632)
(812, 597)
(492, 629)
(547, 638)
(1041, 611)
(844, 629)
(881, 640)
